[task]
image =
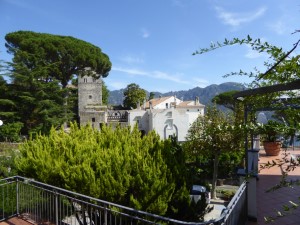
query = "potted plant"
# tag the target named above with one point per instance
(270, 134)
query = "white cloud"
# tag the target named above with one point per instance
(131, 59)
(236, 19)
(178, 3)
(145, 33)
(21, 4)
(117, 85)
(251, 54)
(24, 5)
(130, 71)
(152, 74)
(279, 27)
(169, 77)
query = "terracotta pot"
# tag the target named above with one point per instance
(272, 148)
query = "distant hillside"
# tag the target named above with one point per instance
(205, 94)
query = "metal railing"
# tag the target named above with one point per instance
(46, 204)
(236, 211)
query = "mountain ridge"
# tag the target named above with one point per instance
(205, 94)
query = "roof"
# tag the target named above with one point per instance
(156, 101)
(189, 104)
(185, 103)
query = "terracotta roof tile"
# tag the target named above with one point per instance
(157, 101)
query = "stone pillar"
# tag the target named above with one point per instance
(253, 177)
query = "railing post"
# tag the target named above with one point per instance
(105, 216)
(56, 208)
(17, 196)
(253, 176)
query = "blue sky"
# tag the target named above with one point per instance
(150, 42)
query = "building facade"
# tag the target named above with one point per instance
(90, 108)
(166, 115)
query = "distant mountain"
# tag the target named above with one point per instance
(116, 97)
(205, 94)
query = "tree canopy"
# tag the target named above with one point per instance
(212, 135)
(133, 95)
(226, 99)
(105, 94)
(57, 57)
(38, 96)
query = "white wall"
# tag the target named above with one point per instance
(141, 117)
(194, 113)
(168, 101)
(176, 117)
(160, 120)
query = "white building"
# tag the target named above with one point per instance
(167, 116)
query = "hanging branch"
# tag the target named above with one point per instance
(277, 63)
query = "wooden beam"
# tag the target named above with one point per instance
(294, 85)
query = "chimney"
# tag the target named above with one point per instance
(144, 104)
(197, 101)
(138, 105)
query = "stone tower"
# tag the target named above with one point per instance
(90, 105)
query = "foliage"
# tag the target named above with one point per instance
(291, 118)
(115, 165)
(211, 135)
(151, 95)
(283, 72)
(11, 132)
(71, 104)
(281, 68)
(180, 206)
(226, 99)
(35, 104)
(229, 161)
(271, 130)
(7, 163)
(6, 104)
(42, 66)
(133, 95)
(105, 94)
(54, 56)
(40, 104)
(8, 198)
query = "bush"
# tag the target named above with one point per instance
(11, 132)
(117, 165)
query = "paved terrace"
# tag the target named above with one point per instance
(15, 221)
(268, 203)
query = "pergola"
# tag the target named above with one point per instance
(252, 153)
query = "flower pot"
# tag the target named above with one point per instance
(272, 148)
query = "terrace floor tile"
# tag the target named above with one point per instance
(269, 203)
